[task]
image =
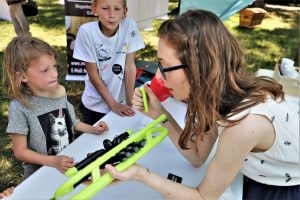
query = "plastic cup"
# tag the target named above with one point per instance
(159, 89)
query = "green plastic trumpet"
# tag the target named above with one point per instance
(144, 97)
(152, 134)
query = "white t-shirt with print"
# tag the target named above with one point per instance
(109, 54)
(279, 165)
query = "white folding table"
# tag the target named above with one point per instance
(162, 159)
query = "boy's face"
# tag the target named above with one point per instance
(110, 13)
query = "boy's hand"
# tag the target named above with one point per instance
(100, 128)
(63, 163)
(122, 109)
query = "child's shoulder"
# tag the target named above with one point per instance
(128, 20)
(128, 24)
(15, 103)
(15, 107)
(89, 25)
(60, 92)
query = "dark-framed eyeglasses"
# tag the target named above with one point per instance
(163, 70)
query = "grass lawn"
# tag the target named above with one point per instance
(276, 37)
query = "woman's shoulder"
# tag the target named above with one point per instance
(254, 131)
(271, 107)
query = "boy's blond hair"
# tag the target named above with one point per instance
(95, 2)
(18, 55)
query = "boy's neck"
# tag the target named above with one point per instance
(106, 34)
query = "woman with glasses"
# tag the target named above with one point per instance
(202, 64)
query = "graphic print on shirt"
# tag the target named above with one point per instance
(57, 129)
(118, 70)
(124, 49)
(103, 54)
(288, 177)
(132, 34)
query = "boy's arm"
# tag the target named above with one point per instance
(97, 82)
(99, 85)
(22, 153)
(130, 71)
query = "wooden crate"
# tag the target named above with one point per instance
(251, 17)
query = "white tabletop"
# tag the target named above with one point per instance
(162, 159)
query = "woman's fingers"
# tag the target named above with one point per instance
(137, 100)
(150, 93)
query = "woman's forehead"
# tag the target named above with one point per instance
(165, 51)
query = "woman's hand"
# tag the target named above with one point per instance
(100, 127)
(155, 107)
(131, 173)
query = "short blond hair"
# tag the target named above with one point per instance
(18, 55)
(95, 2)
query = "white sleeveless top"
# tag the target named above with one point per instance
(279, 165)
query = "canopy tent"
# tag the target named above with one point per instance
(222, 8)
(4, 13)
(144, 11)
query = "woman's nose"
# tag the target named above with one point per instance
(158, 74)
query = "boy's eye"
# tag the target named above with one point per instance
(105, 8)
